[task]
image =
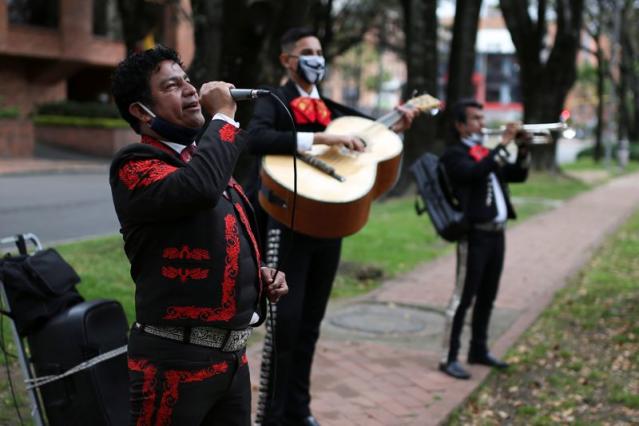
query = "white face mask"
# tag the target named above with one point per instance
(311, 68)
(477, 138)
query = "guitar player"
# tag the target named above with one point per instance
(312, 263)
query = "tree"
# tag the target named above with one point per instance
(461, 62)
(598, 23)
(547, 72)
(139, 18)
(420, 51)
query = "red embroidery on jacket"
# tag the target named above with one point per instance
(148, 388)
(478, 152)
(172, 380)
(244, 360)
(226, 310)
(139, 173)
(185, 253)
(228, 132)
(184, 274)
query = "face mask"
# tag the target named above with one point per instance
(311, 68)
(477, 138)
(169, 131)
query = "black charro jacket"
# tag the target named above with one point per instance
(188, 232)
(471, 182)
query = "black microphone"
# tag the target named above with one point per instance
(248, 94)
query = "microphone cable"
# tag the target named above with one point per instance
(269, 353)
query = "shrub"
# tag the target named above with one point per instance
(61, 120)
(9, 112)
(79, 109)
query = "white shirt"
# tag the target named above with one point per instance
(500, 200)
(305, 139)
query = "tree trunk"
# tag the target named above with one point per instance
(208, 19)
(461, 61)
(545, 84)
(601, 82)
(420, 30)
(139, 17)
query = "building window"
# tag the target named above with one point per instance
(42, 13)
(106, 19)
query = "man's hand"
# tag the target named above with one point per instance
(523, 140)
(351, 142)
(408, 115)
(276, 286)
(510, 132)
(215, 96)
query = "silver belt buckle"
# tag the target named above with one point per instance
(237, 340)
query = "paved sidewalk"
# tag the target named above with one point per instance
(385, 378)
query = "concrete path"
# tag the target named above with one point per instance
(380, 377)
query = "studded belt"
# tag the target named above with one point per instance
(212, 337)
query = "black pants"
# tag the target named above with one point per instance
(180, 384)
(310, 269)
(480, 259)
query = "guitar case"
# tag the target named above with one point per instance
(437, 198)
(98, 395)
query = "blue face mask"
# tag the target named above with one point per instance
(311, 68)
(169, 131)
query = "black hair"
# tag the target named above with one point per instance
(458, 115)
(130, 80)
(458, 111)
(290, 37)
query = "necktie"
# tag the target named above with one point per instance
(310, 110)
(187, 153)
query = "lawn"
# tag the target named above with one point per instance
(579, 363)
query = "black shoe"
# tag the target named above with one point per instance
(310, 421)
(487, 359)
(454, 369)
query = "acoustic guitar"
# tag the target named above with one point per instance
(335, 187)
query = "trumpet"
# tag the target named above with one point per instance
(540, 131)
(540, 128)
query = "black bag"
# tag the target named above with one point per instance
(437, 196)
(98, 395)
(38, 287)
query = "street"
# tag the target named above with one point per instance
(57, 207)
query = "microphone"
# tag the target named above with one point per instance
(248, 94)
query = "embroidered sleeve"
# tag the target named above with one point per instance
(139, 173)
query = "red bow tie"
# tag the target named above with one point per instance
(308, 110)
(478, 152)
(187, 153)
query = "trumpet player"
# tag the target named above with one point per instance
(479, 177)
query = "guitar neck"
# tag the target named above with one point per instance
(389, 119)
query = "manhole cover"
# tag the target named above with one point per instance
(386, 319)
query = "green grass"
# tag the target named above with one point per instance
(104, 270)
(578, 363)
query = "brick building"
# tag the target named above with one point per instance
(54, 50)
